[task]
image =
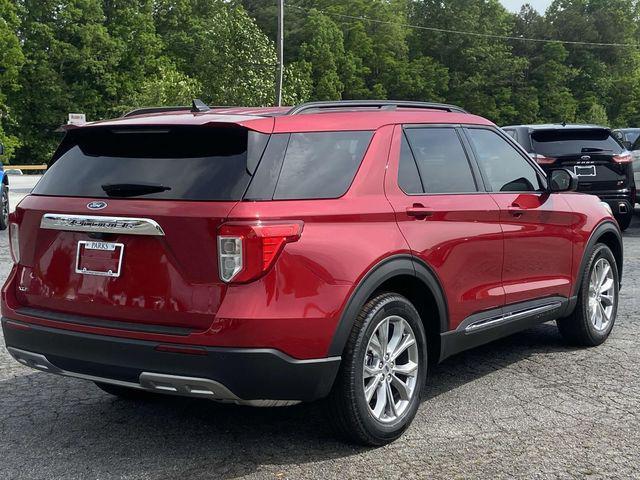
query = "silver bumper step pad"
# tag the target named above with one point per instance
(153, 382)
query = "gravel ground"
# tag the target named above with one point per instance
(526, 406)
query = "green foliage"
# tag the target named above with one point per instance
(166, 87)
(324, 51)
(11, 61)
(103, 57)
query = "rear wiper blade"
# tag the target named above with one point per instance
(595, 150)
(132, 189)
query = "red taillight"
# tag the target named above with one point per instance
(542, 160)
(623, 158)
(247, 250)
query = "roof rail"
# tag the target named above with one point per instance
(314, 107)
(149, 110)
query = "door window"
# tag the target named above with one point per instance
(442, 164)
(504, 168)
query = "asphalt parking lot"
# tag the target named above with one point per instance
(527, 406)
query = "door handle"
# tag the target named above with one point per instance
(419, 211)
(515, 210)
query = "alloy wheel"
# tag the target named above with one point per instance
(390, 369)
(601, 295)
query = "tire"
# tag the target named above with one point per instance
(582, 327)
(625, 221)
(377, 422)
(4, 206)
(125, 392)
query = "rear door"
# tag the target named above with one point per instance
(448, 220)
(593, 154)
(538, 226)
(123, 225)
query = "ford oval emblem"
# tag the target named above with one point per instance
(96, 205)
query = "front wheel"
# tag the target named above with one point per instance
(383, 372)
(4, 206)
(595, 313)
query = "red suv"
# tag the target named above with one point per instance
(271, 256)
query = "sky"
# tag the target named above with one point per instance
(514, 5)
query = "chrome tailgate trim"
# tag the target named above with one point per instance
(101, 224)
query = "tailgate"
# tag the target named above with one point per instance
(123, 225)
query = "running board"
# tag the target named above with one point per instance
(485, 327)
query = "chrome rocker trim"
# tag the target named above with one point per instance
(153, 382)
(492, 322)
(100, 224)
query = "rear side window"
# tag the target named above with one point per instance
(442, 162)
(556, 143)
(502, 165)
(174, 163)
(320, 164)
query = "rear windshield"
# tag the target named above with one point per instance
(556, 143)
(173, 163)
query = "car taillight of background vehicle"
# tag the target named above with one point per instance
(542, 160)
(246, 251)
(14, 242)
(625, 157)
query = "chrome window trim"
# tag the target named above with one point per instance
(101, 224)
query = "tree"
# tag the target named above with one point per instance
(323, 50)
(219, 45)
(138, 53)
(11, 60)
(552, 77)
(599, 70)
(70, 66)
(484, 75)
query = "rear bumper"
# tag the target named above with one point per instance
(621, 202)
(246, 376)
(619, 206)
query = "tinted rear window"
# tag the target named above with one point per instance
(191, 163)
(555, 143)
(320, 164)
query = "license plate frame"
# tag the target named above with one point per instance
(101, 246)
(585, 170)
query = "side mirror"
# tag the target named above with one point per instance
(562, 180)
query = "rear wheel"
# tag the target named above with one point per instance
(383, 372)
(592, 320)
(4, 206)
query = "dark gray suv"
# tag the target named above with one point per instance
(603, 165)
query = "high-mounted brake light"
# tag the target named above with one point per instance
(14, 242)
(246, 250)
(625, 157)
(542, 160)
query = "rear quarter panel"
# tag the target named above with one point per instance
(298, 304)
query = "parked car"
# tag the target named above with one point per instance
(627, 136)
(603, 166)
(4, 195)
(635, 153)
(277, 255)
